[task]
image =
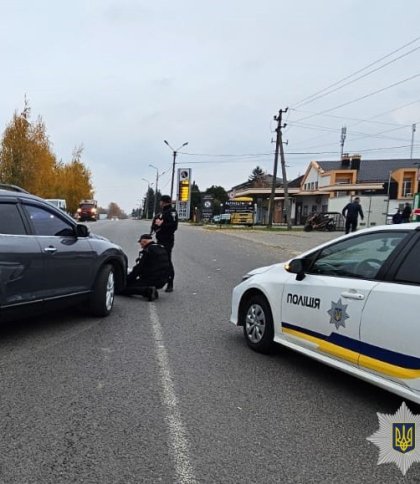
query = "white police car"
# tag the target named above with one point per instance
(353, 303)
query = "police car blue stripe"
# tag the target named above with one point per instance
(366, 349)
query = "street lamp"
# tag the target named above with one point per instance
(174, 153)
(146, 205)
(156, 186)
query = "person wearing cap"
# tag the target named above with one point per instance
(164, 226)
(151, 270)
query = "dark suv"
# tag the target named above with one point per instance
(47, 260)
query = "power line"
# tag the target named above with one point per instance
(361, 97)
(356, 72)
(300, 153)
(227, 154)
(360, 120)
(360, 77)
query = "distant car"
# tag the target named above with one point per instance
(224, 218)
(47, 260)
(352, 303)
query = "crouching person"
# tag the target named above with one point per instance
(151, 271)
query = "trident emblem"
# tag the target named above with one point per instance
(403, 437)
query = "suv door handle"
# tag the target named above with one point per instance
(50, 250)
(352, 295)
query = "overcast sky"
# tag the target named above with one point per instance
(120, 76)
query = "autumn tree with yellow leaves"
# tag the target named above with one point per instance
(27, 160)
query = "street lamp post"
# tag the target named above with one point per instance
(146, 205)
(156, 186)
(174, 153)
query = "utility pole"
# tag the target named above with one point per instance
(174, 153)
(156, 187)
(413, 130)
(279, 148)
(343, 139)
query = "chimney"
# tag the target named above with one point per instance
(345, 160)
(355, 162)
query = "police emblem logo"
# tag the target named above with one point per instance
(403, 437)
(397, 438)
(338, 314)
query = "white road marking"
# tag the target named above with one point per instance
(177, 434)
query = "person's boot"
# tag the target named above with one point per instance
(152, 293)
(170, 286)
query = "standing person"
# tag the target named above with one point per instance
(151, 270)
(351, 211)
(406, 213)
(164, 226)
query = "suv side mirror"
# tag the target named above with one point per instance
(82, 230)
(296, 266)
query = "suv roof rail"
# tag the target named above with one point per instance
(12, 188)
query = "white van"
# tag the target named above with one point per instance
(58, 202)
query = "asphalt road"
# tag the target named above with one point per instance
(169, 392)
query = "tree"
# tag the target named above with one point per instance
(258, 177)
(195, 198)
(74, 181)
(26, 158)
(218, 192)
(149, 200)
(114, 210)
(220, 197)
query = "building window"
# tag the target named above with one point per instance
(407, 187)
(316, 185)
(305, 210)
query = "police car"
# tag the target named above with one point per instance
(352, 303)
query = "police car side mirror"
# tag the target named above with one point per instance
(296, 266)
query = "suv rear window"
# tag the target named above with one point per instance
(10, 220)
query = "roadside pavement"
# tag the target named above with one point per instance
(292, 242)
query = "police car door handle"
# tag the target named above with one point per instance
(352, 295)
(50, 250)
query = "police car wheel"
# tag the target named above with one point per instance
(102, 298)
(258, 324)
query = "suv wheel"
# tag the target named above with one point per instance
(102, 298)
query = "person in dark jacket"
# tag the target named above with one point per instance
(397, 217)
(406, 213)
(151, 270)
(164, 225)
(351, 211)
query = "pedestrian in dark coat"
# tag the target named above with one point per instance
(406, 213)
(151, 271)
(351, 211)
(397, 217)
(164, 226)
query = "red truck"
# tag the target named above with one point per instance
(88, 210)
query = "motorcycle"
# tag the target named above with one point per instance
(320, 221)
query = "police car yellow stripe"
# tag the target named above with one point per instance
(352, 355)
(326, 347)
(387, 368)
